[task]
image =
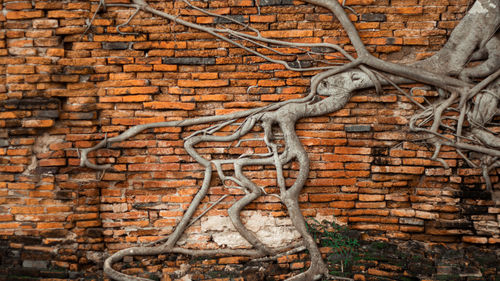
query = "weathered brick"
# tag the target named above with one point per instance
(373, 17)
(38, 123)
(203, 83)
(169, 105)
(21, 69)
(26, 210)
(45, 23)
(475, 239)
(188, 60)
(19, 15)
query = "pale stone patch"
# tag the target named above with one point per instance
(487, 228)
(41, 145)
(272, 231)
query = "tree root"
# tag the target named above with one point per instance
(467, 132)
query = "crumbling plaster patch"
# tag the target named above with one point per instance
(272, 231)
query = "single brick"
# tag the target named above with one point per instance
(203, 83)
(373, 17)
(188, 61)
(115, 45)
(231, 19)
(411, 221)
(38, 123)
(35, 264)
(169, 105)
(275, 2)
(357, 128)
(19, 15)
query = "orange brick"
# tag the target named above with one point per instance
(8, 115)
(342, 204)
(18, 15)
(409, 10)
(86, 224)
(232, 260)
(352, 150)
(42, 123)
(4, 218)
(52, 162)
(11, 168)
(169, 105)
(416, 41)
(26, 210)
(153, 167)
(137, 67)
(21, 185)
(287, 33)
(67, 14)
(262, 18)
(371, 197)
(475, 239)
(21, 69)
(135, 98)
(202, 83)
(165, 67)
(50, 225)
(18, 5)
(13, 225)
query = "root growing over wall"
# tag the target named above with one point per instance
(472, 94)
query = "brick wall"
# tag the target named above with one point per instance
(62, 91)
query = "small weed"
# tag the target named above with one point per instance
(344, 247)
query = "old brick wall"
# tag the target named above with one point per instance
(61, 91)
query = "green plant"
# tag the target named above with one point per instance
(341, 241)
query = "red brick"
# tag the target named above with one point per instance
(67, 14)
(50, 225)
(287, 34)
(475, 239)
(4, 218)
(52, 162)
(169, 105)
(409, 10)
(11, 168)
(262, 18)
(403, 212)
(21, 69)
(18, 5)
(26, 210)
(165, 67)
(352, 150)
(331, 197)
(371, 197)
(21, 185)
(416, 41)
(42, 123)
(202, 83)
(19, 15)
(232, 260)
(13, 225)
(8, 115)
(153, 167)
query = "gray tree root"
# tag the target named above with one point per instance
(475, 38)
